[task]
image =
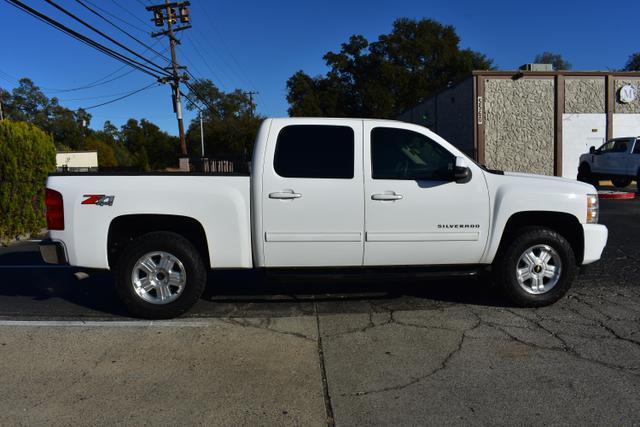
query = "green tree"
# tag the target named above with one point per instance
(151, 147)
(27, 155)
(385, 77)
(106, 154)
(633, 63)
(28, 103)
(554, 59)
(230, 125)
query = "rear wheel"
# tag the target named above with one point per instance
(160, 275)
(621, 182)
(536, 268)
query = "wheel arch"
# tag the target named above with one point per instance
(123, 229)
(565, 224)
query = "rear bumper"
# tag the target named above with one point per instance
(595, 239)
(53, 252)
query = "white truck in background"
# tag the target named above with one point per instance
(339, 193)
(617, 160)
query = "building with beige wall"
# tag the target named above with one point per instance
(533, 121)
(77, 161)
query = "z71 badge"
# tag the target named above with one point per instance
(98, 200)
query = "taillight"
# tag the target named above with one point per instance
(55, 210)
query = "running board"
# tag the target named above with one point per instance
(377, 273)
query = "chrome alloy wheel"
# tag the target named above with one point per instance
(158, 278)
(538, 269)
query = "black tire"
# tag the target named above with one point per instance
(178, 247)
(621, 182)
(585, 175)
(507, 262)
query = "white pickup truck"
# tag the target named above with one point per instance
(617, 160)
(339, 193)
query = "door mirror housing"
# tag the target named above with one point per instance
(592, 150)
(461, 171)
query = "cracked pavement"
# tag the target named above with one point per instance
(317, 352)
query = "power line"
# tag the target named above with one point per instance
(206, 63)
(86, 98)
(241, 74)
(122, 97)
(100, 81)
(111, 39)
(146, 24)
(83, 4)
(106, 12)
(84, 39)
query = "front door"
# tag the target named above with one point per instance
(415, 214)
(313, 206)
(601, 159)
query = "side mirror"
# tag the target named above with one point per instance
(592, 150)
(461, 172)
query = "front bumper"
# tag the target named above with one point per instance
(53, 252)
(595, 239)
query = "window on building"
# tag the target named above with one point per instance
(315, 151)
(403, 154)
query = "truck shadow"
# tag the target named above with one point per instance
(33, 289)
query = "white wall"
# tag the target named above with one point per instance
(579, 132)
(77, 159)
(626, 125)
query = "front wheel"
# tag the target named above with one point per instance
(536, 268)
(585, 175)
(160, 275)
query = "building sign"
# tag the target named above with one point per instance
(627, 94)
(480, 110)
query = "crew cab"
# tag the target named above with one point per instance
(326, 193)
(617, 160)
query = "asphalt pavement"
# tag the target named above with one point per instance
(262, 350)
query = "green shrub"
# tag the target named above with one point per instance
(27, 155)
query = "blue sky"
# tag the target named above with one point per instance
(259, 45)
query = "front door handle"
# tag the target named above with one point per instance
(386, 196)
(285, 195)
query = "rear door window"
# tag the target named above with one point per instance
(621, 146)
(315, 151)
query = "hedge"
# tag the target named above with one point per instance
(27, 155)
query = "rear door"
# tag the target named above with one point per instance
(633, 160)
(415, 214)
(312, 201)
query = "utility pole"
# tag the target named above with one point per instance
(250, 94)
(1, 114)
(201, 135)
(169, 13)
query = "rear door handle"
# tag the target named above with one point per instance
(285, 195)
(386, 196)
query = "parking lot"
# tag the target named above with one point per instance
(263, 350)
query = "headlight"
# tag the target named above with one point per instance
(592, 208)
